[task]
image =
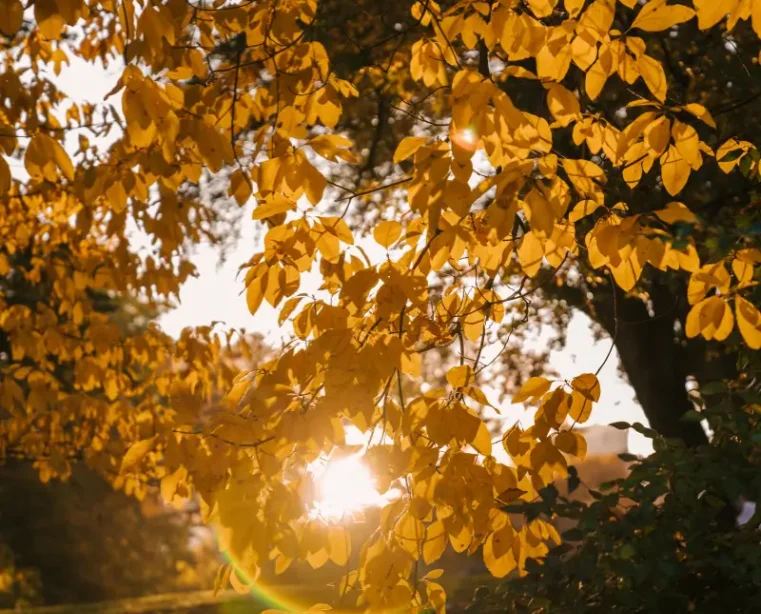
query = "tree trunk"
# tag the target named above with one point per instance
(655, 355)
(655, 363)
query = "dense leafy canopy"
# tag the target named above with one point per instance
(516, 147)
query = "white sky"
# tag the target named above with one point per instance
(216, 294)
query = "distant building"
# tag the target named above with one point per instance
(603, 440)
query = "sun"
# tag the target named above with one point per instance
(344, 486)
(466, 138)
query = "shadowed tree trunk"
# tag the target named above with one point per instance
(654, 352)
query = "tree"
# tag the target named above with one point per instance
(87, 542)
(656, 540)
(83, 541)
(524, 159)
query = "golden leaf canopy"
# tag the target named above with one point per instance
(435, 165)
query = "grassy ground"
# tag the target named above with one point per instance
(228, 602)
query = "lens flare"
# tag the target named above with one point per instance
(275, 597)
(343, 486)
(466, 138)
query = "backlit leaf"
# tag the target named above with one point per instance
(534, 388)
(387, 232)
(407, 147)
(136, 453)
(675, 171)
(656, 15)
(460, 376)
(749, 322)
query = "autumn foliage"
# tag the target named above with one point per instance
(432, 231)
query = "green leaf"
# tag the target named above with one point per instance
(732, 155)
(627, 551)
(573, 483)
(643, 430)
(692, 416)
(713, 388)
(573, 535)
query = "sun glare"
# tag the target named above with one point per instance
(344, 486)
(466, 138)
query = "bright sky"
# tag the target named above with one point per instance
(216, 294)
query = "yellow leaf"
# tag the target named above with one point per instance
(223, 578)
(597, 20)
(170, 482)
(743, 270)
(59, 57)
(44, 156)
(628, 271)
(712, 318)
(707, 277)
(436, 540)
(478, 395)
(756, 17)
(338, 228)
(387, 232)
(595, 79)
(482, 441)
(710, 12)
(11, 16)
(563, 105)
(657, 135)
(574, 7)
(272, 205)
(498, 552)
(333, 146)
(688, 258)
(547, 461)
(410, 533)
(588, 385)
(240, 187)
(585, 176)
(530, 254)
(408, 146)
(49, 19)
(241, 586)
(542, 8)
(730, 146)
(460, 536)
(256, 288)
(676, 212)
(582, 209)
(749, 322)
(534, 388)
(675, 171)
(699, 111)
(5, 176)
(579, 407)
(314, 183)
(572, 442)
(460, 376)
(653, 75)
(687, 143)
(656, 15)
(340, 544)
(539, 212)
(137, 452)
